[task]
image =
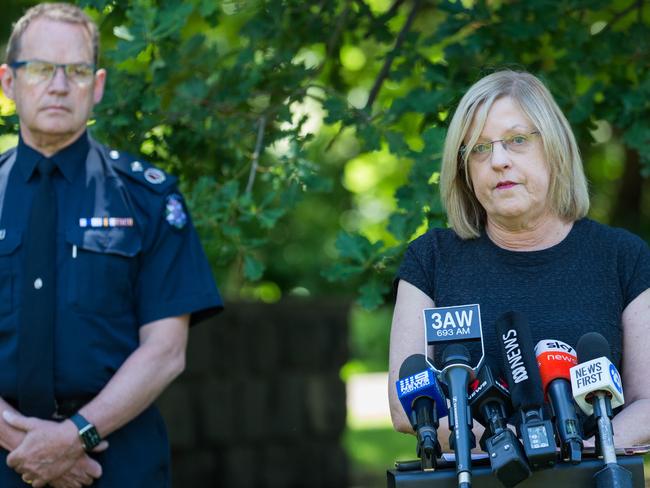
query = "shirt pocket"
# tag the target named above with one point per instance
(9, 244)
(103, 268)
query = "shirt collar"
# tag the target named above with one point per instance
(69, 160)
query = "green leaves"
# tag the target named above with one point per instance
(372, 294)
(356, 247)
(337, 109)
(372, 261)
(170, 20)
(190, 82)
(253, 268)
(594, 75)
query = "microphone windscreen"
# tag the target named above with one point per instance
(519, 362)
(413, 364)
(593, 345)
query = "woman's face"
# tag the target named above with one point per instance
(511, 185)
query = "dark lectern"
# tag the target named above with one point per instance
(561, 476)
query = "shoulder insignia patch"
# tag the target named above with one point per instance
(175, 214)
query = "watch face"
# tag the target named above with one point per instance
(90, 437)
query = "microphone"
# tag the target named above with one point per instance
(457, 373)
(525, 384)
(595, 374)
(555, 359)
(424, 404)
(489, 400)
(597, 389)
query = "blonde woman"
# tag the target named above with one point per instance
(516, 197)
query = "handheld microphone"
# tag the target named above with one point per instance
(597, 389)
(595, 373)
(525, 384)
(489, 400)
(457, 374)
(424, 404)
(555, 359)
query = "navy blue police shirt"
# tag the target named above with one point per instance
(127, 255)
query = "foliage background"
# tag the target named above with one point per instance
(307, 135)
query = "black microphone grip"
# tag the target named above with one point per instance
(495, 416)
(426, 418)
(566, 419)
(460, 417)
(457, 374)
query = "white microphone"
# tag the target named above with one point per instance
(597, 375)
(597, 389)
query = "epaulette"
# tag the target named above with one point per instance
(6, 155)
(141, 171)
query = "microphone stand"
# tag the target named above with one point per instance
(457, 374)
(612, 475)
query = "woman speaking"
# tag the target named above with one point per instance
(516, 198)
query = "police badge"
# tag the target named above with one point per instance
(175, 211)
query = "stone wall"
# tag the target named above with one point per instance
(261, 403)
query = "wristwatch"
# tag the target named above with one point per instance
(87, 432)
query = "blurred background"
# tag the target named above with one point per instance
(307, 139)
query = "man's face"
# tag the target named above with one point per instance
(57, 107)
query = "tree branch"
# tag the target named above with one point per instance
(256, 154)
(385, 17)
(392, 11)
(385, 69)
(363, 7)
(637, 4)
(340, 24)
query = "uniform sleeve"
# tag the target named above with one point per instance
(635, 268)
(417, 267)
(174, 275)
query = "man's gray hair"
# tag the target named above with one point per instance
(61, 12)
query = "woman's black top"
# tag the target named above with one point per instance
(580, 285)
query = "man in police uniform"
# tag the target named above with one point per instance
(130, 277)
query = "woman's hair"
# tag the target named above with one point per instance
(568, 194)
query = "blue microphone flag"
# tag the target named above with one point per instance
(421, 384)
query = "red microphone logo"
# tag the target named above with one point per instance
(555, 359)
